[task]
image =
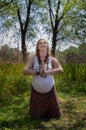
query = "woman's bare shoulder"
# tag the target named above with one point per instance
(55, 62)
(54, 59)
(31, 57)
(30, 60)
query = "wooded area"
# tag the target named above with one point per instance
(71, 55)
(62, 20)
(64, 24)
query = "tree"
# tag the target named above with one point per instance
(24, 25)
(71, 55)
(66, 23)
(25, 12)
(82, 53)
(17, 9)
(58, 11)
(64, 16)
(4, 53)
(77, 19)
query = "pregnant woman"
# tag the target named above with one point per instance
(42, 66)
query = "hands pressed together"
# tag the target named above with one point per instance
(43, 70)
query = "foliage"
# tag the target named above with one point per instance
(12, 80)
(67, 20)
(73, 79)
(11, 55)
(73, 55)
(70, 55)
(82, 53)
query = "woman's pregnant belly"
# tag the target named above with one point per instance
(42, 84)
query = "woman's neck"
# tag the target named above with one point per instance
(42, 54)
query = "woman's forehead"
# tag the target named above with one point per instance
(42, 40)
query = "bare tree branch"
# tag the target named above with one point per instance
(62, 37)
(28, 14)
(74, 42)
(20, 21)
(61, 27)
(56, 17)
(50, 13)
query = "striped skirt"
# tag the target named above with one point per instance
(44, 105)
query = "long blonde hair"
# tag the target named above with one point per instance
(48, 50)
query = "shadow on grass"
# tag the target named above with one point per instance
(79, 125)
(26, 123)
(75, 117)
(69, 106)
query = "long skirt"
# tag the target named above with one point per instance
(44, 104)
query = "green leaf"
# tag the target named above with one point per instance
(8, 23)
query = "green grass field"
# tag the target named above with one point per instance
(14, 115)
(15, 95)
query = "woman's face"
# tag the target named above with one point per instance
(42, 45)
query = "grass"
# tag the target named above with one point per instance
(15, 95)
(14, 114)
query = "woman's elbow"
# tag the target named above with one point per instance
(24, 71)
(60, 70)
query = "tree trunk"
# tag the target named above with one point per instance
(53, 46)
(54, 24)
(24, 50)
(54, 41)
(24, 27)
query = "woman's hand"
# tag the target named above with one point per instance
(42, 70)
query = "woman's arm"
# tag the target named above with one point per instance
(57, 68)
(28, 67)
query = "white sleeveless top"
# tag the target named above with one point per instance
(42, 84)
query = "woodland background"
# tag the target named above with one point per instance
(63, 22)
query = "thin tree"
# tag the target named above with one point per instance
(24, 26)
(15, 7)
(56, 18)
